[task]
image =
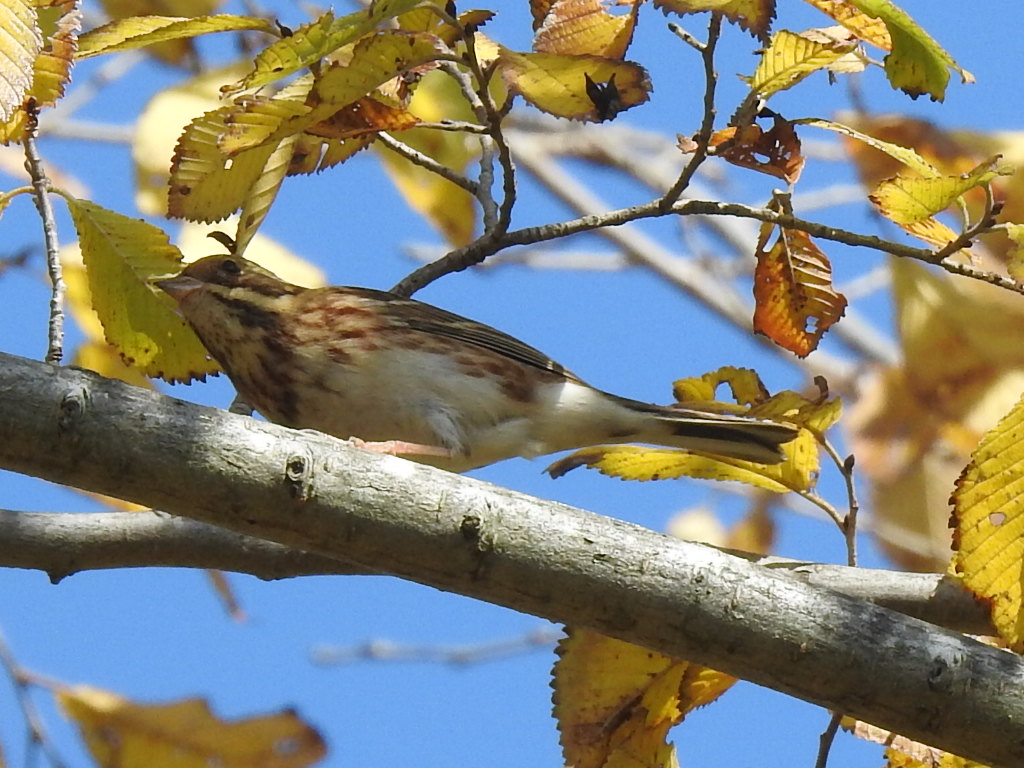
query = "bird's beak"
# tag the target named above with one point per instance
(179, 287)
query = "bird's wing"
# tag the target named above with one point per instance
(430, 319)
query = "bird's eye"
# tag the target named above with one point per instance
(230, 267)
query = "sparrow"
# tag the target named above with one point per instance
(400, 376)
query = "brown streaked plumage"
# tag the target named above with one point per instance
(407, 377)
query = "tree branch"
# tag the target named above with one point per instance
(62, 544)
(462, 258)
(319, 494)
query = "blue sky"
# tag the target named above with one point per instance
(160, 634)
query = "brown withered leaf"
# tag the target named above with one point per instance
(755, 16)
(792, 288)
(314, 154)
(775, 152)
(364, 116)
(870, 29)
(586, 26)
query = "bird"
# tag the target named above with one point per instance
(400, 376)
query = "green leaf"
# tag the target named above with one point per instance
(121, 255)
(917, 64)
(313, 41)
(792, 57)
(139, 31)
(910, 200)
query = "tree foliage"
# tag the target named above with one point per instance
(458, 119)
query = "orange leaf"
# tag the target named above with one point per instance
(755, 16)
(585, 26)
(792, 287)
(779, 146)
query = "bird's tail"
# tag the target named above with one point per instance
(737, 437)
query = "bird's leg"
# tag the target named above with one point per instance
(400, 448)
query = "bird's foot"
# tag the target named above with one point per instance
(400, 448)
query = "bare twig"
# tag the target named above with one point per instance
(465, 257)
(971, 231)
(827, 737)
(41, 187)
(707, 52)
(20, 681)
(462, 655)
(425, 161)
(686, 37)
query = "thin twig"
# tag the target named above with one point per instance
(707, 52)
(493, 121)
(825, 741)
(474, 253)
(983, 224)
(685, 36)
(37, 736)
(425, 161)
(460, 126)
(41, 187)
(848, 524)
(461, 655)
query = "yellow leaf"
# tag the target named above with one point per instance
(313, 41)
(140, 31)
(94, 353)
(446, 206)
(121, 255)
(916, 64)
(816, 415)
(1015, 265)
(988, 520)
(792, 57)
(20, 43)
(916, 424)
(755, 16)
(262, 193)
(744, 383)
(160, 125)
(909, 200)
(314, 154)
(870, 30)
(258, 120)
(615, 702)
(792, 288)
(186, 734)
(799, 471)
(578, 87)
(178, 52)
(585, 26)
(206, 185)
(60, 22)
(633, 462)
(905, 155)
(375, 60)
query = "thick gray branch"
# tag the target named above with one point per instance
(317, 494)
(62, 544)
